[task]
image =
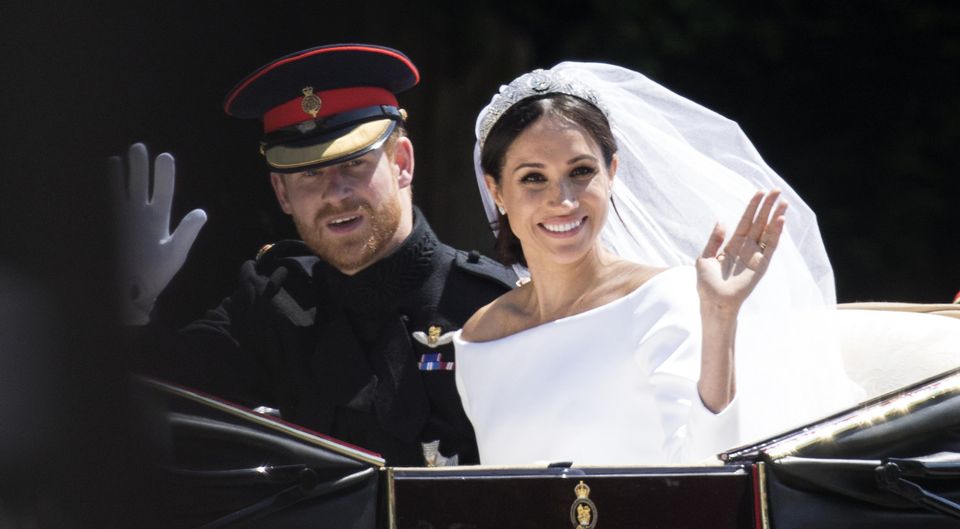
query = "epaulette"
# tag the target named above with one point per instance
(482, 266)
(272, 255)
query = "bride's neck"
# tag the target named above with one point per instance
(562, 289)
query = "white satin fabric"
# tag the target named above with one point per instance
(615, 385)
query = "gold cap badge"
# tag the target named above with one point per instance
(310, 103)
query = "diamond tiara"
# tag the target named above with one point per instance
(535, 83)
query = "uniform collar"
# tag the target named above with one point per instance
(391, 279)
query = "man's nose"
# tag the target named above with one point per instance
(337, 185)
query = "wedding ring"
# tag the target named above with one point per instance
(762, 245)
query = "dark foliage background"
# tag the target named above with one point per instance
(855, 103)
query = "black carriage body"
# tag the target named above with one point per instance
(890, 462)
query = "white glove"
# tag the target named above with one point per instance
(149, 254)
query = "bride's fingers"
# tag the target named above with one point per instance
(760, 223)
(743, 227)
(714, 242)
(771, 236)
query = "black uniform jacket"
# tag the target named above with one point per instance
(340, 354)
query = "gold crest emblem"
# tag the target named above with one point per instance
(433, 334)
(434, 337)
(583, 513)
(310, 103)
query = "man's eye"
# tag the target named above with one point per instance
(353, 163)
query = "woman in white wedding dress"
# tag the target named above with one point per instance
(627, 345)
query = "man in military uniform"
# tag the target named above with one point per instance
(347, 332)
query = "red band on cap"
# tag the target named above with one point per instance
(331, 102)
(309, 53)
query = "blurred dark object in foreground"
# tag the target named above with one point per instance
(70, 445)
(70, 448)
(227, 466)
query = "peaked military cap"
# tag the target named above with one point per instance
(324, 105)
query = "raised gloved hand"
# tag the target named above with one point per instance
(149, 254)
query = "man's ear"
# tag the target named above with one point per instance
(280, 189)
(403, 159)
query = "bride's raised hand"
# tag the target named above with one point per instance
(727, 273)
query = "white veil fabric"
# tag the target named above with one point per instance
(683, 167)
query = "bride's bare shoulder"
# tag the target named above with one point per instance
(496, 319)
(630, 276)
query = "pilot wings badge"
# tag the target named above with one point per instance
(433, 338)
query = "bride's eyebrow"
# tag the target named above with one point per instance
(535, 165)
(538, 165)
(576, 159)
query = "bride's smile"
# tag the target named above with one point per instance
(554, 189)
(561, 228)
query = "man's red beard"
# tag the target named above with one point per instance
(357, 250)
